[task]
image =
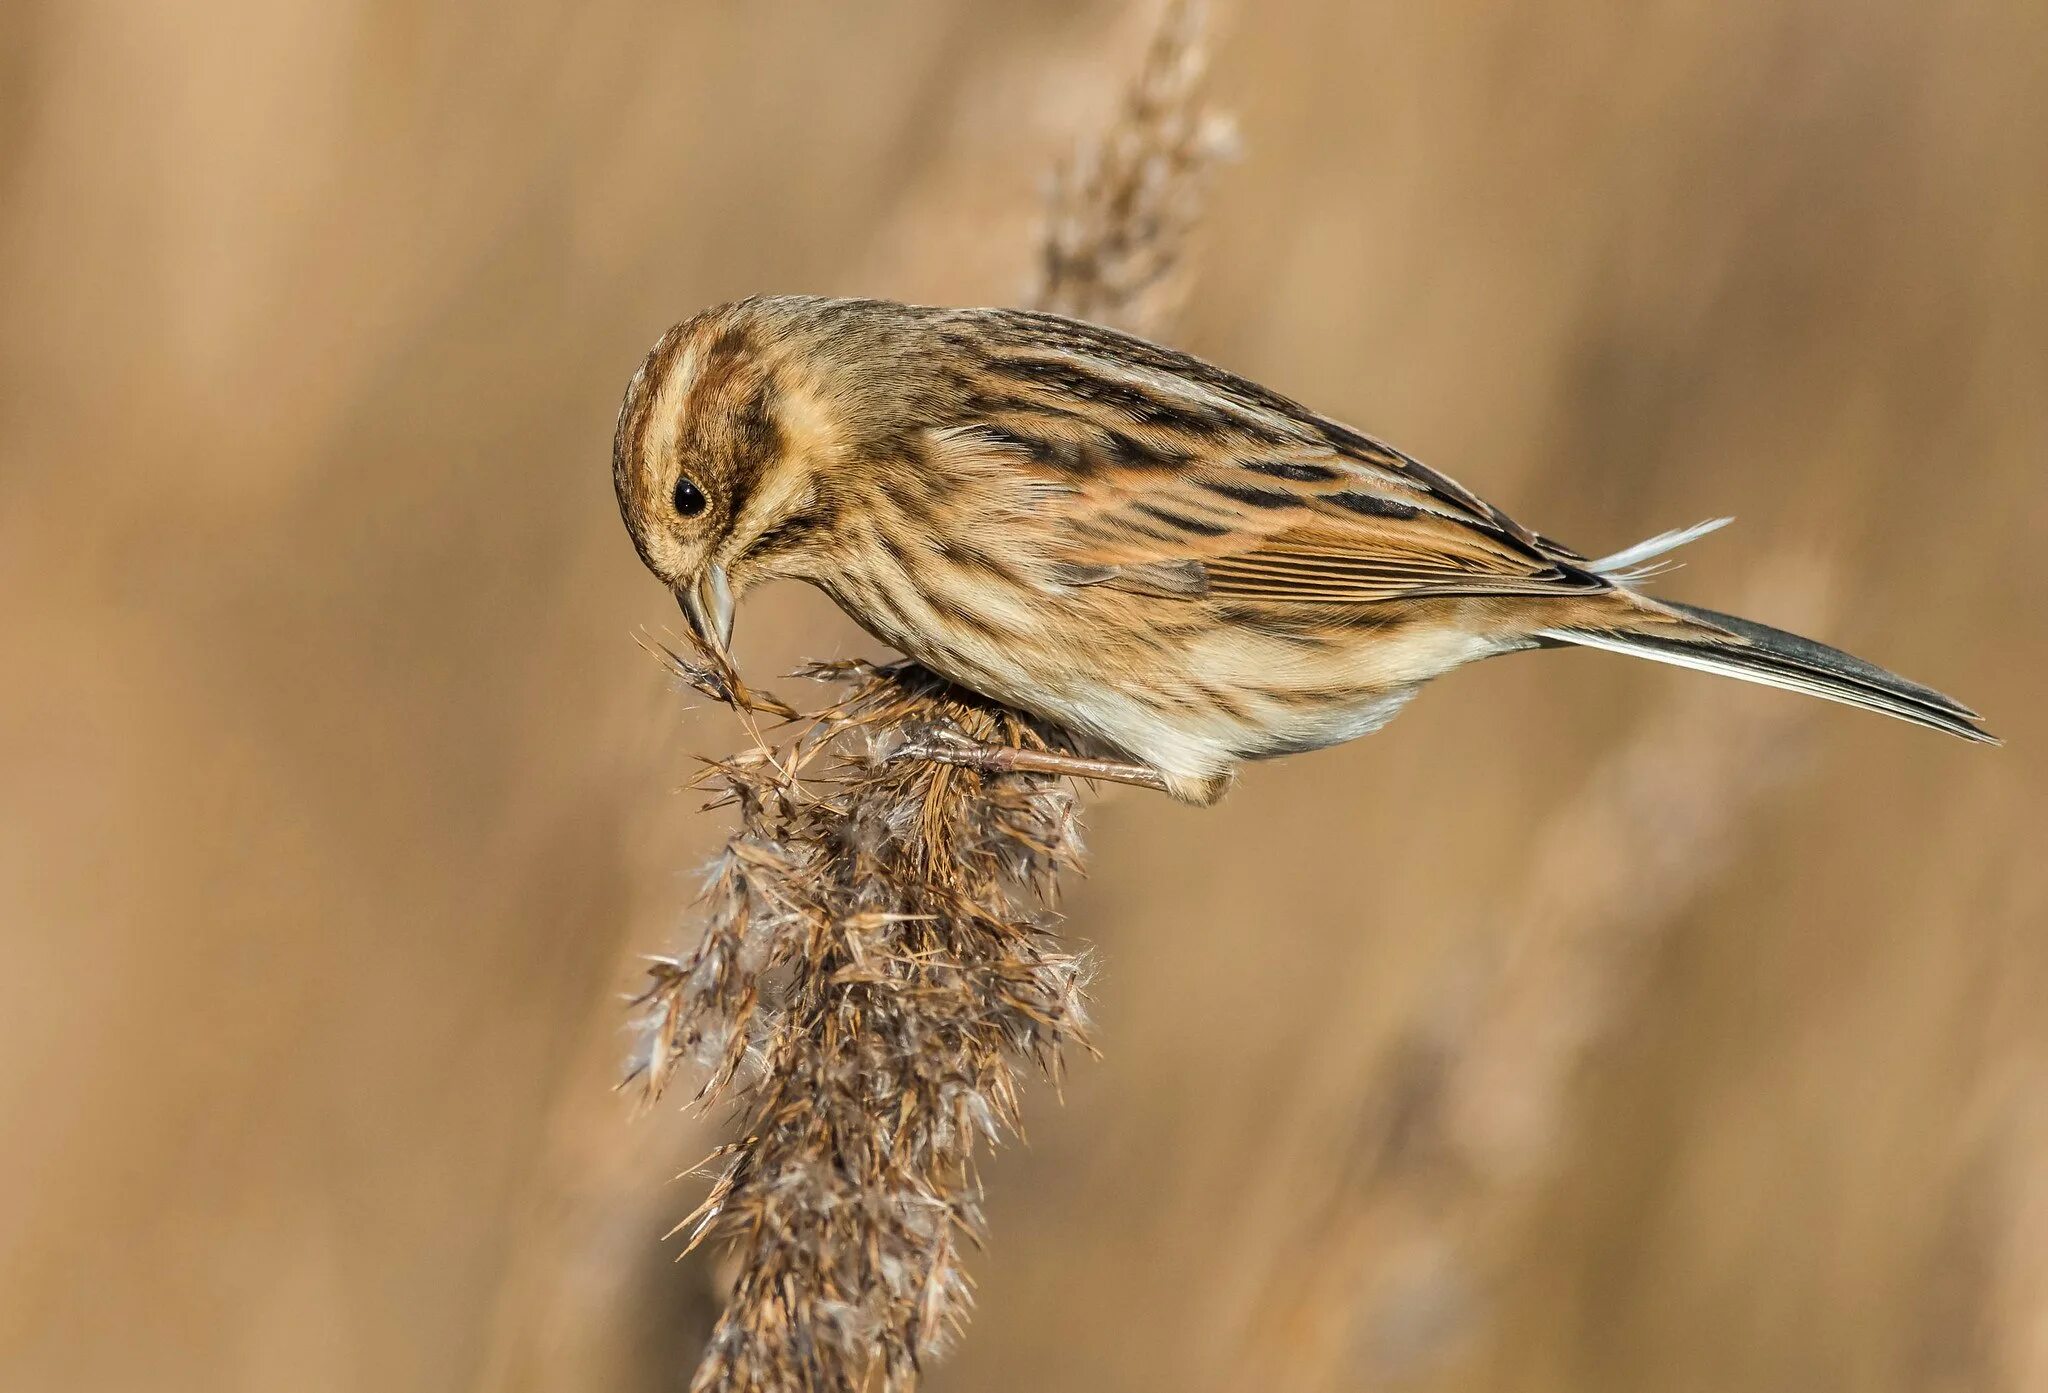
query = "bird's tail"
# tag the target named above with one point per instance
(1688, 636)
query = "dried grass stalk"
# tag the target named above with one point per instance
(879, 961)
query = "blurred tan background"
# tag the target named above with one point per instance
(337, 796)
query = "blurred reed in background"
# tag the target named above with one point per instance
(337, 793)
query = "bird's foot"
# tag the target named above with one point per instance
(945, 745)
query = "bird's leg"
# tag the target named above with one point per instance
(951, 747)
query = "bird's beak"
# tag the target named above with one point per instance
(707, 604)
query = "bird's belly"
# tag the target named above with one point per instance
(1142, 706)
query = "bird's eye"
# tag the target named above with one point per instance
(689, 499)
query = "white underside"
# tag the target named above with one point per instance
(1194, 740)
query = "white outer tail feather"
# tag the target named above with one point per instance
(1627, 565)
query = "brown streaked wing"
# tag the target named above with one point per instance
(1314, 542)
(1135, 389)
(1236, 518)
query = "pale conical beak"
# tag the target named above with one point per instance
(708, 606)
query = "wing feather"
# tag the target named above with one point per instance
(1349, 539)
(1166, 475)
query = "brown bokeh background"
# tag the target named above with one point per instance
(338, 798)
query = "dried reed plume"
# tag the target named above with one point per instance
(879, 962)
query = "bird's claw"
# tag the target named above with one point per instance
(941, 744)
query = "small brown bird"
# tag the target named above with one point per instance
(1163, 558)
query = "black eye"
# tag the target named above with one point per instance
(689, 499)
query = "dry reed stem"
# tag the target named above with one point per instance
(879, 961)
(1469, 1108)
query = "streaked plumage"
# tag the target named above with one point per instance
(1158, 555)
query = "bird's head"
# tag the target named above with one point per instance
(726, 449)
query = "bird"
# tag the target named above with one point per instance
(1182, 569)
